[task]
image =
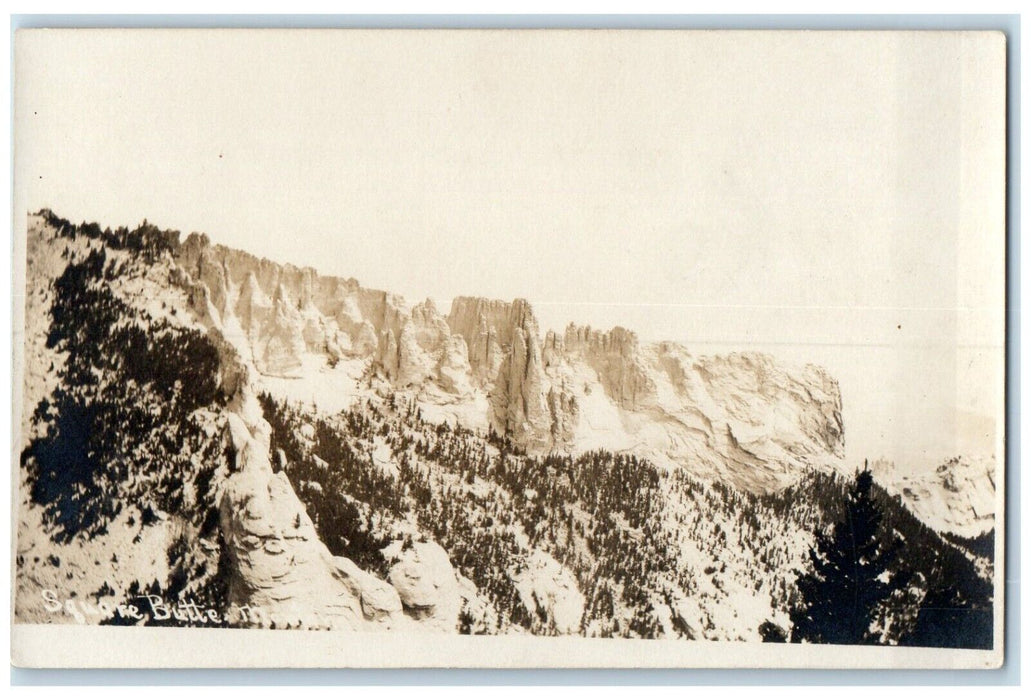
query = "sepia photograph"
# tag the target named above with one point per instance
(509, 348)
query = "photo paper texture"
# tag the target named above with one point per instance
(509, 348)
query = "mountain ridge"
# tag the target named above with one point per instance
(580, 389)
(380, 515)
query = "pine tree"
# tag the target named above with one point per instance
(839, 597)
(956, 610)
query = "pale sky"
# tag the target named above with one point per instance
(835, 198)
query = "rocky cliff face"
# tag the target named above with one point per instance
(741, 418)
(503, 342)
(281, 315)
(956, 497)
(614, 355)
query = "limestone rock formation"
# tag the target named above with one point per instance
(614, 355)
(379, 600)
(741, 418)
(507, 360)
(426, 583)
(282, 574)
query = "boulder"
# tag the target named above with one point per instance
(426, 583)
(379, 600)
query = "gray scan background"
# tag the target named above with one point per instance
(1009, 674)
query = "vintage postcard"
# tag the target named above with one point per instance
(373, 348)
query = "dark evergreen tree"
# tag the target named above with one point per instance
(838, 598)
(956, 610)
(772, 632)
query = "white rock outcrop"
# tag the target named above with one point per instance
(427, 584)
(282, 574)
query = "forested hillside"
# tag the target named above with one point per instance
(654, 553)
